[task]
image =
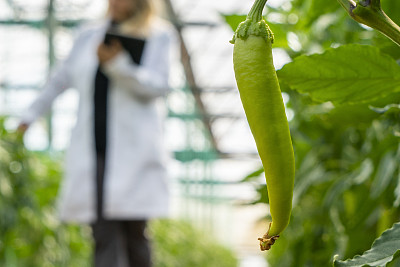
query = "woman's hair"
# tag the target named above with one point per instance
(144, 12)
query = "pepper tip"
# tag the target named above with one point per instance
(266, 243)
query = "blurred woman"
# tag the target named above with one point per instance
(115, 164)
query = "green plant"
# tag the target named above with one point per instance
(262, 101)
(32, 236)
(345, 100)
(179, 244)
(30, 233)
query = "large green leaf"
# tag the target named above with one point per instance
(348, 74)
(383, 251)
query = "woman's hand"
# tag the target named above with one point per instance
(108, 52)
(22, 127)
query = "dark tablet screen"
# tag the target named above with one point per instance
(134, 46)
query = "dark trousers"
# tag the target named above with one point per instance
(118, 243)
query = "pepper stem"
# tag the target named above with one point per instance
(370, 13)
(254, 24)
(256, 10)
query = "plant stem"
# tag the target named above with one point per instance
(256, 10)
(370, 13)
(390, 29)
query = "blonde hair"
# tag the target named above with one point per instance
(139, 22)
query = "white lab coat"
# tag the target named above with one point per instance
(135, 171)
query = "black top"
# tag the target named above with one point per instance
(100, 111)
(134, 47)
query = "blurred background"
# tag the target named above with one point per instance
(218, 190)
(206, 132)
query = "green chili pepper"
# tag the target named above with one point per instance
(265, 111)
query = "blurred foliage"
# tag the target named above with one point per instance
(311, 26)
(32, 236)
(178, 244)
(345, 134)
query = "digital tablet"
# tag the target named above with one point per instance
(134, 46)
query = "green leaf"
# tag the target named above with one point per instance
(253, 175)
(396, 260)
(386, 45)
(358, 176)
(262, 195)
(317, 8)
(363, 113)
(310, 173)
(233, 20)
(348, 74)
(397, 189)
(385, 172)
(383, 250)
